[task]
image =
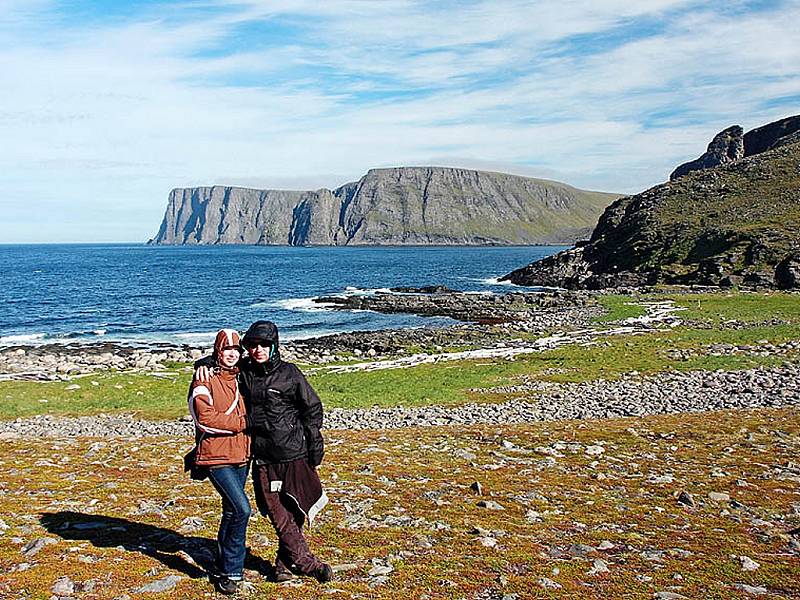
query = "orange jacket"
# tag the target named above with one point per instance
(218, 411)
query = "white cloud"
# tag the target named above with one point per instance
(104, 119)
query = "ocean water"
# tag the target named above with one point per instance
(182, 294)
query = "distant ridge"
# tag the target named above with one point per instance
(396, 206)
(728, 218)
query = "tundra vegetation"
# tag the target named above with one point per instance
(698, 505)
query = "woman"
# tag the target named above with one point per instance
(224, 449)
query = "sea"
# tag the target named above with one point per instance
(140, 295)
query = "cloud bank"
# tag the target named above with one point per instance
(106, 110)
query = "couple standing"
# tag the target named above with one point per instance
(259, 409)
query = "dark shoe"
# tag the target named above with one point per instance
(227, 586)
(323, 573)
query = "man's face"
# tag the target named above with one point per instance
(259, 350)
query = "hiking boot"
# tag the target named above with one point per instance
(323, 573)
(227, 586)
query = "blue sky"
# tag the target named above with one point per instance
(108, 105)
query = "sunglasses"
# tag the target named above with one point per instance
(257, 343)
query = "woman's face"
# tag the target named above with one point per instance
(230, 356)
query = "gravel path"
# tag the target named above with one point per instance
(632, 395)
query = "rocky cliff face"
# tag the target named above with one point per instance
(737, 223)
(401, 206)
(731, 144)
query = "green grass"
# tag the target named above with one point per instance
(741, 306)
(450, 382)
(618, 307)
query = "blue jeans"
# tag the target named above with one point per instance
(229, 482)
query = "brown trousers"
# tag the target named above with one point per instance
(287, 519)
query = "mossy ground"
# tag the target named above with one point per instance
(404, 496)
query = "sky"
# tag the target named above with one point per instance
(108, 105)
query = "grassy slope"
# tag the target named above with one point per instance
(712, 213)
(443, 383)
(413, 487)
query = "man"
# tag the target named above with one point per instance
(284, 417)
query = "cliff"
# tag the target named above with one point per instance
(399, 206)
(734, 222)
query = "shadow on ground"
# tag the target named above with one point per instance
(194, 556)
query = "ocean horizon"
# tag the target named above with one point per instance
(135, 293)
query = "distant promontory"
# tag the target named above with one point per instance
(397, 206)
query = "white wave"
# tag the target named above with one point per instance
(24, 338)
(195, 336)
(491, 281)
(354, 291)
(301, 304)
(99, 332)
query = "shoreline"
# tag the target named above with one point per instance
(483, 320)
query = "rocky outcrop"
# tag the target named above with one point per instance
(401, 206)
(727, 146)
(462, 306)
(732, 144)
(734, 225)
(771, 135)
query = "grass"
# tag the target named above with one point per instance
(450, 382)
(403, 497)
(618, 307)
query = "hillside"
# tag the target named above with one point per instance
(736, 223)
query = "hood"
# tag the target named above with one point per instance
(265, 331)
(225, 337)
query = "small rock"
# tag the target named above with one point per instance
(72, 387)
(599, 566)
(379, 570)
(594, 450)
(63, 586)
(686, 499)
(477, 488)
(605, 545)
(755, 590)
(491, 505)
(669, 596)
(748, 564)
(488, 542)
(33, 547)
(719, 496)
(160, 585)
(548, 583)
(191, 525)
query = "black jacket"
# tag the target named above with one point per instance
(284, 412)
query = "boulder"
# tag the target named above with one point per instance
(787, 273)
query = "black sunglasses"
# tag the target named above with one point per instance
(263, 343)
